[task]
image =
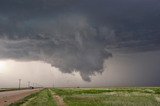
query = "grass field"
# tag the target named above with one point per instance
(95, 97)
(111, 97)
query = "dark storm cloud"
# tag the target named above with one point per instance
(75, 35)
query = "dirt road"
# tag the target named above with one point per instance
(9, 97)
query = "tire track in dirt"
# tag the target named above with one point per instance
(59, 100)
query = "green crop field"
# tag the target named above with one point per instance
(96, 97)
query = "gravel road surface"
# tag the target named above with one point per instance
(9, 97)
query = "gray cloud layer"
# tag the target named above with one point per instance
(75, 35)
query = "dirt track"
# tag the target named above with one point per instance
(9, 97)
(59, 100)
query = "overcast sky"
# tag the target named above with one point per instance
(80, 42)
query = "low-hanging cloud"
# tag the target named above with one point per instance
(75, 35)
(68, 43)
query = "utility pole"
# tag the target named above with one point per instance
(33, 84)
(29, 84)
(19, 83)
(53, 79)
